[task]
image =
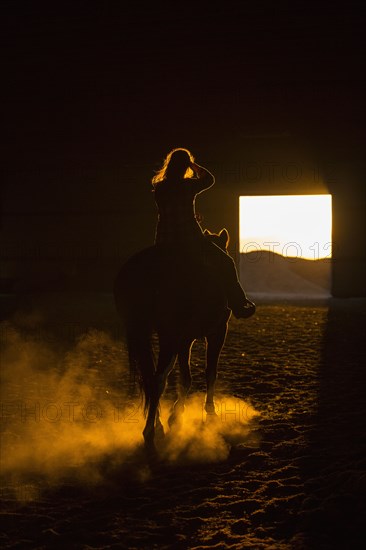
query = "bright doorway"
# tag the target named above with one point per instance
(286, 245)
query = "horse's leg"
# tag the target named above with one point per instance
(185, 380)
(165, 364)
(214, 346)
(164, 367)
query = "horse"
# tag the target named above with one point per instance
(180, 301)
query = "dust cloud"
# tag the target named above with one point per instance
(65, 412)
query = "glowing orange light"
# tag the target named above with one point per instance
(292, 225)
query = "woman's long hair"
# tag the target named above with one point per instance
(175, 166)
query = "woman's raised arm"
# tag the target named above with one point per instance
(204, 179)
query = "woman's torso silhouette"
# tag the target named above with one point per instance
(177, 221)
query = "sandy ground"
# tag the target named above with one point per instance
(283, 466)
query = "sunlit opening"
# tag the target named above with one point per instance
(297, 226)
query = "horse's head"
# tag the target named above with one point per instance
(220, 239)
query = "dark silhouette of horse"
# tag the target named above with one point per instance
(179, 297)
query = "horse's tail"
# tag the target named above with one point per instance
(134, 307)
(140, 354)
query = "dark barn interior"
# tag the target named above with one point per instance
(270, 98)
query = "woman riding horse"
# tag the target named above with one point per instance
(191, 287)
